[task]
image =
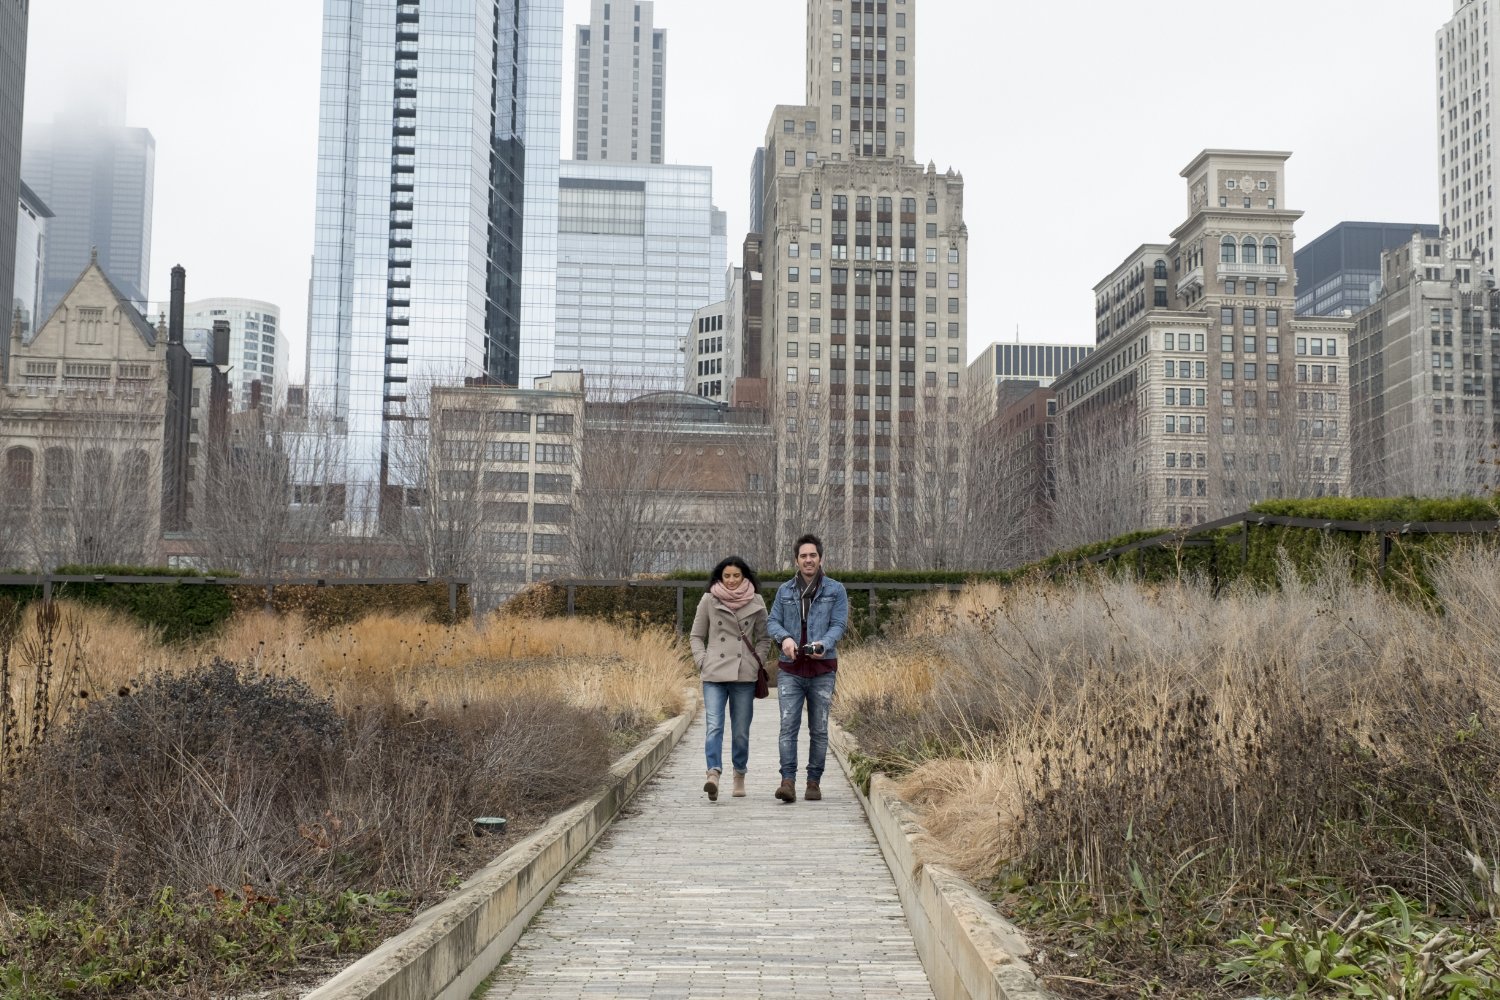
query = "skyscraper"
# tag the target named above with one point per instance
(13, 16)
(866, 299)
(436, 226)
(258, 349)
(1466, 157)
(620, 52)
(98, 176)
(640, 249)
(32, 216)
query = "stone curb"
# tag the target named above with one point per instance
(970, 952)
(452, 947)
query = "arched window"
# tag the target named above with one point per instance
(136, 478)
(1226, 250)
(1270, 251)
(57, 476)
(1160, 274)
(1247, 251)
(96, 486)
(20, 466)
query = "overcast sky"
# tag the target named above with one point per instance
(1069, 122)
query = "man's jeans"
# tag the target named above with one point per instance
(817, 693)
(740, 697)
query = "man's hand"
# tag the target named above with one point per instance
(789, 647)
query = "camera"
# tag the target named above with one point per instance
(813, 649)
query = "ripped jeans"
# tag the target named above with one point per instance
(792, 692)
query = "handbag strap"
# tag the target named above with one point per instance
(743, 638)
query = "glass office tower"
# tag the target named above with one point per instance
(640, 249)
(440, 127)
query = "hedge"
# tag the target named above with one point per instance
(181, 612)
(329, 607)
(656, 607)
(1224, 559)
(192, 611)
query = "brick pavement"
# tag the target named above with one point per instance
(739, 898)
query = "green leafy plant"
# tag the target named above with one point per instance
(1386, 949)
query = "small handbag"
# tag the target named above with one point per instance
(762, 679)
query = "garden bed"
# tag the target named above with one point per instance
(246, 816)
(1275, 792)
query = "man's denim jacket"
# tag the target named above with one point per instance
(826, 619)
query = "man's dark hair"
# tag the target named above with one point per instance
(717, 575)
(812, 540)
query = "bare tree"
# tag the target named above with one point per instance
(439, 451)
(100, 491)
(640, 488)
(818, 477)
(1439, 455)
(263, 506)
(1306, 454)
(1008, 492)
(930, 486)
(1099, 486)
(19, 508)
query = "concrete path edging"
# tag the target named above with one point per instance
(454, 946)
(969, 951)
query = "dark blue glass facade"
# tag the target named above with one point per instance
(1037, 361)
(1336, 271)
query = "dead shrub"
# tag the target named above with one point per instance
(220, 777)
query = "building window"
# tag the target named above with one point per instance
(554, 454)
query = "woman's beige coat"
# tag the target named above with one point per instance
(715, 638)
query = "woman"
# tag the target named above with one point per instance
(730, 643)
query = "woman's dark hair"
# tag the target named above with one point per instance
(718, 574)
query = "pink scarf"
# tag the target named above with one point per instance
(736, 598)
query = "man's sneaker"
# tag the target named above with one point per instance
(788, 790)
(711, 786)
(813, 793)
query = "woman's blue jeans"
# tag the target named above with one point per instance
(739, 697)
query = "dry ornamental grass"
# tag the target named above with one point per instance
(1140, 772)
(306, 789)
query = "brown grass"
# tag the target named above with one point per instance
(1145, 755)
(629, 677)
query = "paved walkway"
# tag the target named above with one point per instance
(739, 898)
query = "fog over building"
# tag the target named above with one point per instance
(98, 176)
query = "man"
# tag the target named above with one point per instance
(807, 620)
